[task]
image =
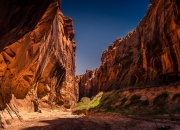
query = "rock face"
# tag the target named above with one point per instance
(148, 55)
(18, 17)
(37, 70)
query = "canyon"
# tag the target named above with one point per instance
(37, 65)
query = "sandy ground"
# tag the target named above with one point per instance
(58, 120)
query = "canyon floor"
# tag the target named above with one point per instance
(64, 120)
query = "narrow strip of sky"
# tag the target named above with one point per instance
(97, 23)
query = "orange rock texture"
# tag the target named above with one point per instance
(148, 55)
(38, 69)
(18, 17)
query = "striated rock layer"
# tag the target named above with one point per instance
(148, 55)
(37, 71)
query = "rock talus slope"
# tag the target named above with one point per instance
(148, 55)
(37, 70)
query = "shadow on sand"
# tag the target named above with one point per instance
(81, 123)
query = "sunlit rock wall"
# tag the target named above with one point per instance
(38, 69)
(147, 56)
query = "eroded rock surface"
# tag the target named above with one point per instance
(148, 55)
(37, 71)
(18, 17)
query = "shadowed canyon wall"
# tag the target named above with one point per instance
(37, 70)
(147, 56)
(18, 17)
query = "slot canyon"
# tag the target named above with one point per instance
(136, 87)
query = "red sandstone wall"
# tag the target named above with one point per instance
(148, 55)
(39, 68)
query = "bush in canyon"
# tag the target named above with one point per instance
(87, 103)
(108, 100)
(85, 100)
(136, 101)
(160, 100)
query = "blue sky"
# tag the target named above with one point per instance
(97, 23)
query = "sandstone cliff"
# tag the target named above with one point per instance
(37, 70)
(18, 17)
(147, 56)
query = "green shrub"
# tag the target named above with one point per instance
(82, 104)
(94, 103)
(85, 100)
(79, 104)
(135, 100)
(86, 103)
(160, 100)
(107, 101)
